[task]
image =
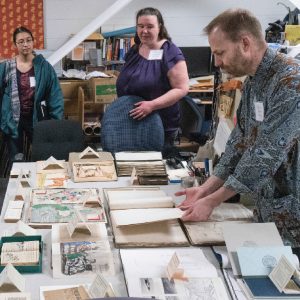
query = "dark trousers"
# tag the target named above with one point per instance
(16, 145)
(171, 137)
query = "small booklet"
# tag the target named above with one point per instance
(70, 293)
(285, 277)
(20, 253)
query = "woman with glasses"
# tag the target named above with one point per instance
(29, 92)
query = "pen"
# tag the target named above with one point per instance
(206, 164)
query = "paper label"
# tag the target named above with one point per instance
(32, 81)
(155, 54)
(259, 111)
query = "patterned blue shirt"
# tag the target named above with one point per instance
(262, 155)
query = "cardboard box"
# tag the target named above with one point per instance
(25, 269)
(103, 90)
(70, 87)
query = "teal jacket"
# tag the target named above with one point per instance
(47, 89)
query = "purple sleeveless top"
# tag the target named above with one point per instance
(148, 79)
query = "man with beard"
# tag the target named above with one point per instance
(262, 155)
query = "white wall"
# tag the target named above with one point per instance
(184, 19)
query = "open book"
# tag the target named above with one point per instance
(20, 253)
(210, 232)
(146, 272)
(141, 206)
(138, 207)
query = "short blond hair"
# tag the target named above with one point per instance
(236, 22)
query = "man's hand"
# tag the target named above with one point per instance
(192, 195)
(199, 211)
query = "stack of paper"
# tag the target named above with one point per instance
(147, 163)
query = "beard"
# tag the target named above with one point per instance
(238, 65)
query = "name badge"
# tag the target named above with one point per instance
(32, 81)
(259, 111)
(155, 54)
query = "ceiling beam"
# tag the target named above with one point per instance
(86, 31)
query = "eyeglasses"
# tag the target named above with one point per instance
(22, 42)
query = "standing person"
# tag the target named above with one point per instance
(155, 70)
(29, 92)
(262, 155)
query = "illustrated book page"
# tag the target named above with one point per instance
(64, 292)
(71, 293)
(81, 254)
(52, 180)
(92, 166)
(48, 206)
(145, 274)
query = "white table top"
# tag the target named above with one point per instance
(33, 281)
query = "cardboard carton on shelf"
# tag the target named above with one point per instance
(103, 90)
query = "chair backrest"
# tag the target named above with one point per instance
(191, 118)
(120, 132)
(56, 138)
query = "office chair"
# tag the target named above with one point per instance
(56, 138)
(191, 121)
(120, 132)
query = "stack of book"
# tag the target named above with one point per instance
(263, 267)
(149, 167)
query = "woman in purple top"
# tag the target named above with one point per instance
(155, 70)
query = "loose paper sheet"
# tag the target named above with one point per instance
(148, 215)
(126, 199)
